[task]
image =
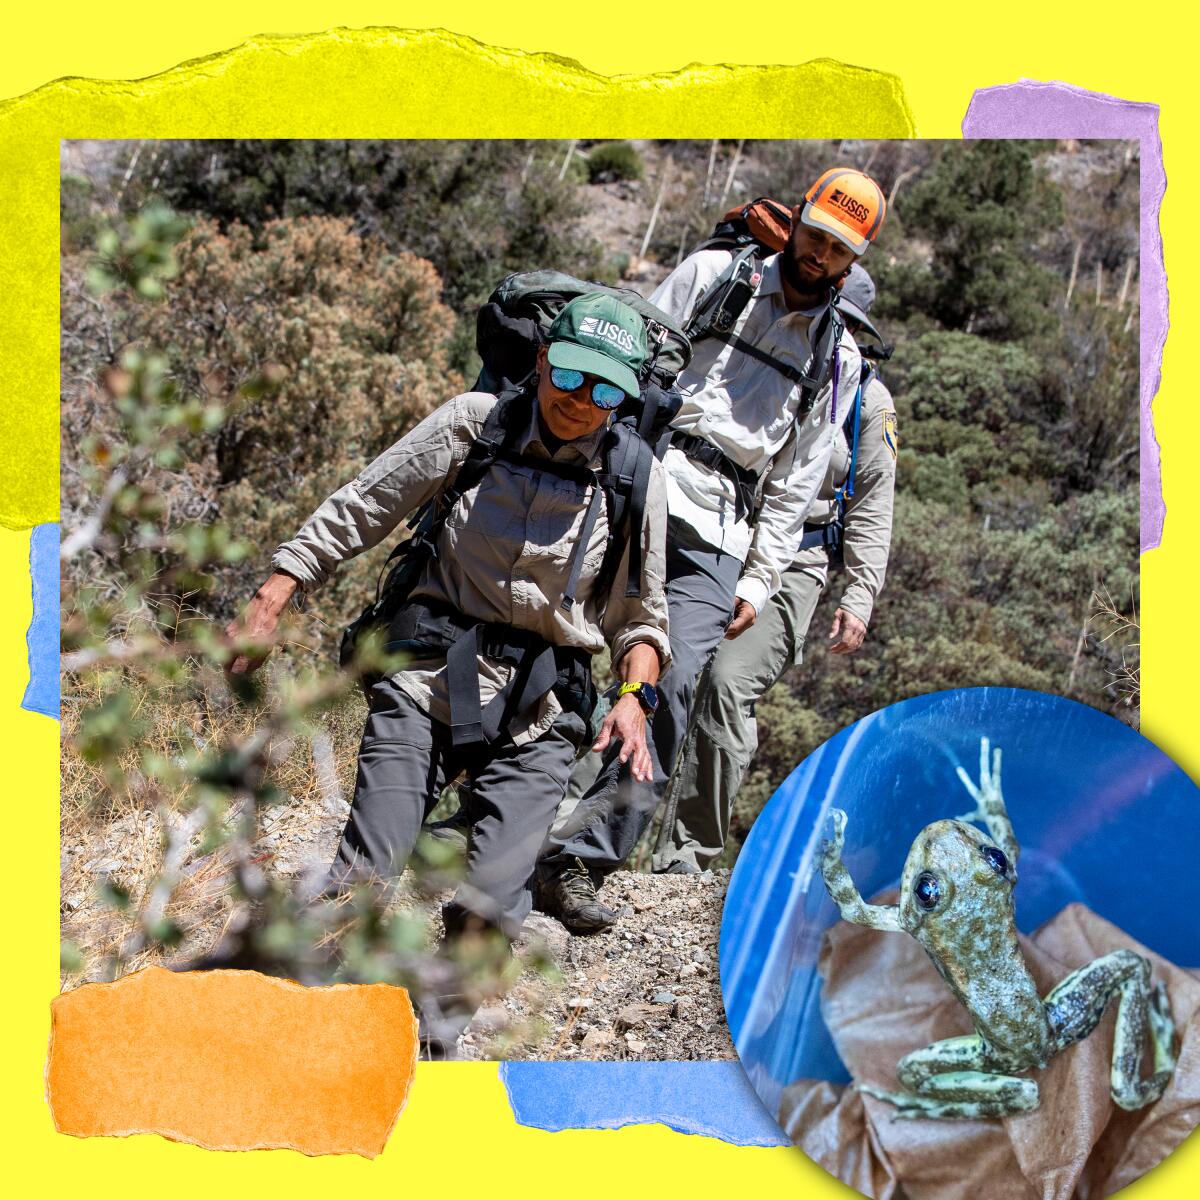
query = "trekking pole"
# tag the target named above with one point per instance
(683, 757)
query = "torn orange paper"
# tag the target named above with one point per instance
(232, 1060)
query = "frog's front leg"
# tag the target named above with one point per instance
(1075, 1006)
(956, 1079)
(989, 804)
(840, 886)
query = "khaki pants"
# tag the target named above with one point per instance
(723, 736)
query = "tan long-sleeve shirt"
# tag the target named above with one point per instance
(749, 411)
(867, 537)
(504, 551)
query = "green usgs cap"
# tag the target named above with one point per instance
(600, 336)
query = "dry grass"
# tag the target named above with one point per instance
(1125, 629)
(116, 818)
(113, 813)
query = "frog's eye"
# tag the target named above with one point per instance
(927, 890)
(995, 859)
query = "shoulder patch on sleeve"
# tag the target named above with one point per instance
(889, 432)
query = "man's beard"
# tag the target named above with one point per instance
(817, 289)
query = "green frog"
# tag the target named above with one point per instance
(956, 899)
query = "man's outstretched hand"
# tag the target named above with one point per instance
(259, 621)
(626, 723)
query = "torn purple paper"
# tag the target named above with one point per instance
(1059, 110)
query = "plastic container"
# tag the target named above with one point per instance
(1102, 816)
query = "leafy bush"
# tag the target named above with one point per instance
(984, 209)
(159, 746)
(323, 347)
(613, 161)
(476, 210)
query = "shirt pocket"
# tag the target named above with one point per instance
(783, 416)
(493, 515)
(556, 519)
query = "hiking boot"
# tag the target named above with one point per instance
(455, 830)
(569, 894)
(678, 867)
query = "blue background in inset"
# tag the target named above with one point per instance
(1103, 817)
(41, 693)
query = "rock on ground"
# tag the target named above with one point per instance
(647, 989)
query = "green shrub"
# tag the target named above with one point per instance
(613, 161)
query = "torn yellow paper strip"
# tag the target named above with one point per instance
(232, 1060)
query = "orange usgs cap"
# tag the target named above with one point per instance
(847, 204)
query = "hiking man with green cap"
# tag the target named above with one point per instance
(517, 594)
(762, 400)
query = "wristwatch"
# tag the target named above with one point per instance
(646, 693)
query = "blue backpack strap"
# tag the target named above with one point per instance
(854, 420)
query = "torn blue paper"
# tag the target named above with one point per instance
(713, 1099)
(41, 693)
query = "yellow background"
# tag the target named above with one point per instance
(458, 1135)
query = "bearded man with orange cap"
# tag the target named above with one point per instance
(749, 449)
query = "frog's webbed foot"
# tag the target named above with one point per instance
(950, 1080)
(989, 807)
(1075, 1006)
(840, 885)
(834, 838)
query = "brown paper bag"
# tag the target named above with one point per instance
(882, 999)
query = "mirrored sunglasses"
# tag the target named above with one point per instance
(604, 395)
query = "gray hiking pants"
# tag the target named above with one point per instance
(605, 826)
(723, 736)
(405, 761)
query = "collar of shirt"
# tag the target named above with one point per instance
(584, 449)
(772, 278)
(772, 284)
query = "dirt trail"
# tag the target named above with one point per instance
(647, 989)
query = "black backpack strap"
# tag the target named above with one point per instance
(725, 299)
(637, 514)
(585, 536)
(509, 416)
(824, 338)
(794, 374)
(625, 480)
(462, 687)
(422, 628)
(745, 483)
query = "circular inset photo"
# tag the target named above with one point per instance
(959, 951)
